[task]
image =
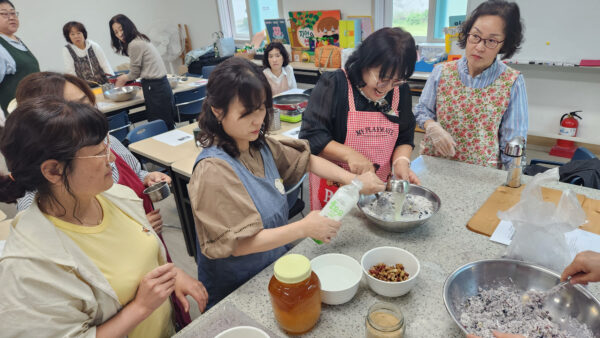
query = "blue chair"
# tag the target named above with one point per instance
(147, 130)
(581, 153)
(295, 204)
(118, 124)
(206, 70)
(189, 104)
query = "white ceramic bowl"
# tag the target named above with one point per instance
(339, 275)
(390, 255)
(243, 332)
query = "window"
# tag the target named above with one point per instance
(425, 19)
(243, 18)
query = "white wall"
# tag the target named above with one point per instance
(42, 22)
(347, 7)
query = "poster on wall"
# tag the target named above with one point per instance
(319, 26)
(366, 25)
(277, 31)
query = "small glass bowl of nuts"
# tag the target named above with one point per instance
(390, 271)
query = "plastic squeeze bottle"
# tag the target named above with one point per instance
(341, 202)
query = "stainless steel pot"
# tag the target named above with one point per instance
(158, 191)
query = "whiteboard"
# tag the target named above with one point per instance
(557, 30)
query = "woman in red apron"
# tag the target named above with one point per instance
(361, 118)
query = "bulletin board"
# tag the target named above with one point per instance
(557, 30)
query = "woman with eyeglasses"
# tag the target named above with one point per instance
(470, 108)
(361, 118)
(16, 60)
(82, 260)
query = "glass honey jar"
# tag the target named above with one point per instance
(295, 292)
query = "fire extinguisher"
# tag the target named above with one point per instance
(568, 127)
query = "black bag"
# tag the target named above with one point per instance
(207, 59)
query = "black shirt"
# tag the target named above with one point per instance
(326, 116)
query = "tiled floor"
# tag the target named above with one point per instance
(174, 237)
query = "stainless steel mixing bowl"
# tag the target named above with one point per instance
(574, 301)
(118, 94)
(401, 226)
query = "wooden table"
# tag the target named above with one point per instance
(180, 161)
(109, 107)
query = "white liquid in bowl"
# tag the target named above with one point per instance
(335, 277)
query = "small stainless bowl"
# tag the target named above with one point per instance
(465, 282)
(402, 226)
(158, 191)
(119, 94)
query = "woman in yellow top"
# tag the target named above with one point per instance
(82, 260)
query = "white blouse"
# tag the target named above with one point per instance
(287, 74)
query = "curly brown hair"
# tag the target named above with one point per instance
(235, 77)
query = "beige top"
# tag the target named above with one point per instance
(144, 60)
(223, 210)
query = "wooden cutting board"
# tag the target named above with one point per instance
(486, 220)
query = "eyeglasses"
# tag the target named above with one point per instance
(7, 15)
(488, 43)
(386, 82)
(107, 154)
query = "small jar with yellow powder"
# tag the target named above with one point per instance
(295, 294)
(384, 320)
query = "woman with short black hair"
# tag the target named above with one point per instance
(278, 71)
(361, 118)
(144, 62)
(83, 57)
(470, 108)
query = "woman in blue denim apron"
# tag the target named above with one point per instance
(237, 189)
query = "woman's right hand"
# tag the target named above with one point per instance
(441, 139)
(585, 268)
(318, 227)
(358, 163)
(156, 286)
(371, 183)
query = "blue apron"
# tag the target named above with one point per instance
(222, 276)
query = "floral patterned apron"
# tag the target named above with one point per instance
(472, 116)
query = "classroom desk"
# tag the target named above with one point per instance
(181, 172)
(109, 107)
(163, 154)
(442, 245)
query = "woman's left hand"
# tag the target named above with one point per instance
(371, 183)
(121, 80)
(402, 171)
(188, 286)
(156, 177)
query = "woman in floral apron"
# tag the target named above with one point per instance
(470, 108)
(361, 118)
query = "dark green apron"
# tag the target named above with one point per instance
(26, 64)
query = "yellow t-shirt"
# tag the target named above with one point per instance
(124, 253)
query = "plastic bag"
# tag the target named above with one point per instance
(540, 226)
(223, 46)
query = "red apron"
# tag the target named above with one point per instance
(371, 134)
(129, 178)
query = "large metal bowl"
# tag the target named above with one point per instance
(465, 282)
(119, 94)
(402, 226)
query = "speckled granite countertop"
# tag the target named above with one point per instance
(441, 245)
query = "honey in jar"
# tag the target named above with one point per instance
(295, 294)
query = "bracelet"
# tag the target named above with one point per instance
(401, 158)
